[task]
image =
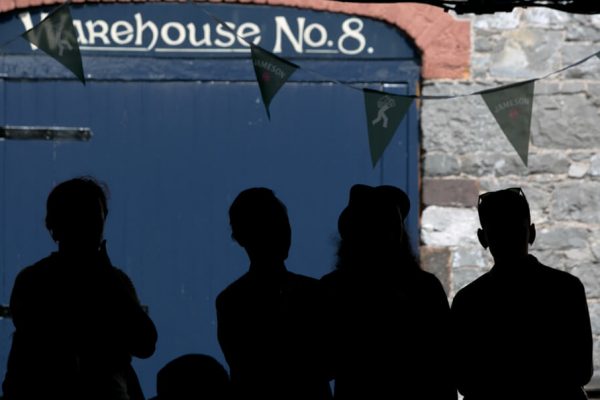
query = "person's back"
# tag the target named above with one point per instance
(389, 336)
(77, 318)
(268, 319)
(267, 331)
(522, 330)
(388, 318)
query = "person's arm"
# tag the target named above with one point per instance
(19, 301)
(237, 339)
(440, 340)
(20, 355)
(34, 344)
(224, 334)
(140, 332)
(460, 347)
(581, 340)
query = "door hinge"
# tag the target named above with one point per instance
(44, 133)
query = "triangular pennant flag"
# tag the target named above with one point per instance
(57, 37)
(271, 73)
(512, 106)
(385, 111)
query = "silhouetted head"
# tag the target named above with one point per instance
(192, 377)
(372, 227)
(373, 213)
(506, 226)
(259, 223)
(75, 213)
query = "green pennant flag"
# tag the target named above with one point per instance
(271, 73)
(57, 37)
(512, 106)
(385, 111)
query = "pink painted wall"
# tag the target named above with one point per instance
(444, 41)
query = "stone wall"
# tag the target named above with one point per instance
(465, 152)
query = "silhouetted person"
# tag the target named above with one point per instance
(389, 319)
(192, 377)
(268, 319)
(77, 318)
(522, 330)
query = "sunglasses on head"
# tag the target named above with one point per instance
(516, 190)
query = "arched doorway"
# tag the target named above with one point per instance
(179, 130)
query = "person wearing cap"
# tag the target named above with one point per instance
(388, 319)
(268, 320)
(521, 330)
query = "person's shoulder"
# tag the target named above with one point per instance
(120, 275)
(420, 281)
(303, 283)
(427, 278)
(33, 279)
(43, 264)
(475, 289)
(35, 270)
(331, 277)
(556, 276)
(302, 279)
(428, 289)
(233, 290)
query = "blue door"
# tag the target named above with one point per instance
(175, 153)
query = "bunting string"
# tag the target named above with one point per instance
(243, 40)
(412, 96)
(511, 104)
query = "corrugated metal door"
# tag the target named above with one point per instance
(175, 155)
(176, 141)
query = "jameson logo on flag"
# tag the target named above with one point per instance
(271, 73)
(511, 106)
(384, 113)
(57, 37)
